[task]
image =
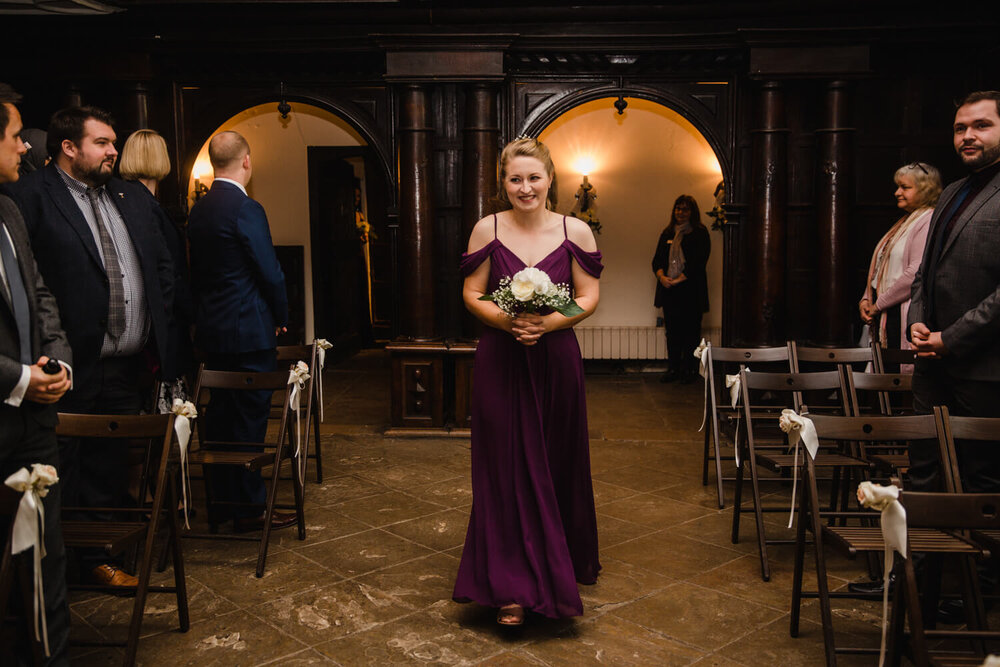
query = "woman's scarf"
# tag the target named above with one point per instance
(676, 261)
(879, 268)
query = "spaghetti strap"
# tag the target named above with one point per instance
(565, 233)
(494, 226)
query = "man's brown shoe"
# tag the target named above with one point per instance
(110, 575)
(278, 520)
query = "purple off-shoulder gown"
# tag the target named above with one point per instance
(533, 530)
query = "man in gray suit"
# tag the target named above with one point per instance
(30, 334)
(954, 316)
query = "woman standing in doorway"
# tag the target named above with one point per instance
(682, 286)
(533, 530)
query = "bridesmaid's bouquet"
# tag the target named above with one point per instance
(530, 290)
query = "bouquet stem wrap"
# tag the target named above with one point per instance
(29, 532)
(184, 412)
(322, 345)
(886, 500)
(799, 429)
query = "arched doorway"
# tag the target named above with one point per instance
(639, 163)
(309, 169)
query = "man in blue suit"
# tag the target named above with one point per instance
(240, 308)
(100, 251)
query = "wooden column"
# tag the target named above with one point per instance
(479, 170)
(834, 199)
(767, 219)
(74, 96)
(416, 216)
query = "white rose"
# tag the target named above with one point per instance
(786, 423)
(522, 285)
(876, 496)
(42, 477)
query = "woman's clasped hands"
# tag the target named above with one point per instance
(527, 328)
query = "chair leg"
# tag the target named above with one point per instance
(822, 586)
(765, 567)
(298, 488)
(272, 495)
(718, 463)
(174, 544)
(800, 556)
(319, 450)
(737, 502)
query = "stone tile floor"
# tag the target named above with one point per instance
(371, 584)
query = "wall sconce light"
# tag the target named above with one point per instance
(198, 173)
(585, 207)
(284, 108)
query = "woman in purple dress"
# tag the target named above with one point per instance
(533, 530)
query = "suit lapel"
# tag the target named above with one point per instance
(984, 196)
(63, 201)
(22, 249)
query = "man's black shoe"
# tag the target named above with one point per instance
(872, 587)
(951, 612)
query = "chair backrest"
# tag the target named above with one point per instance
(719, 361)
(884, 385)
(886, 357)
(794, 385)
(306, 353)
(239, 381)
(828, 357)
(981, 429)
(951, 511)
(115, 426)
(749, 355)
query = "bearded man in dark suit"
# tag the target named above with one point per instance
(241, 307)
(99, 248)
(954, 316)
(30, 335)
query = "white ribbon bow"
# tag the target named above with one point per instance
(297, 377)
(29, 531)
(886, 500)
(699, 354)
(185, 411)
(799, 429)
(322, 345)
(733, 384)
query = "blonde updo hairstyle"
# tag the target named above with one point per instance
(926, 181)
(144, 155)
(527, 147)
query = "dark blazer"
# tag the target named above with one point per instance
(694, 291)
(47, 336)
(68, 258)
(966, 285)
(238, 285)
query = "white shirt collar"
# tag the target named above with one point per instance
(236, 183)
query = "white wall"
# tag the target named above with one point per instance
(642, 162)
(280, 180)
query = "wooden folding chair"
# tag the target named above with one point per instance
(115, 537)
(307, 355)
(862, 537)
(793, 386)
(210, 453)
(718, 411)
(952, 514)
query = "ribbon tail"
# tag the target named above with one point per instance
(704, 408)
(736, 439)
(795, 483)
(319, 392)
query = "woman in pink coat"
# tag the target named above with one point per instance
(897, 256)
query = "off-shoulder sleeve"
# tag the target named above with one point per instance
(471, 260)
(588, 261)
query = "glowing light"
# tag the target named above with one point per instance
(585, 164)
(201, 169)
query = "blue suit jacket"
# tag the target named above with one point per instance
(237, 283)
(69, 262)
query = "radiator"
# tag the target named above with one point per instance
(628, 342)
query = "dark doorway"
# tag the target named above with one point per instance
(345, 310)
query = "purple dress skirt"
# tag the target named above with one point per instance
(533, 530)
